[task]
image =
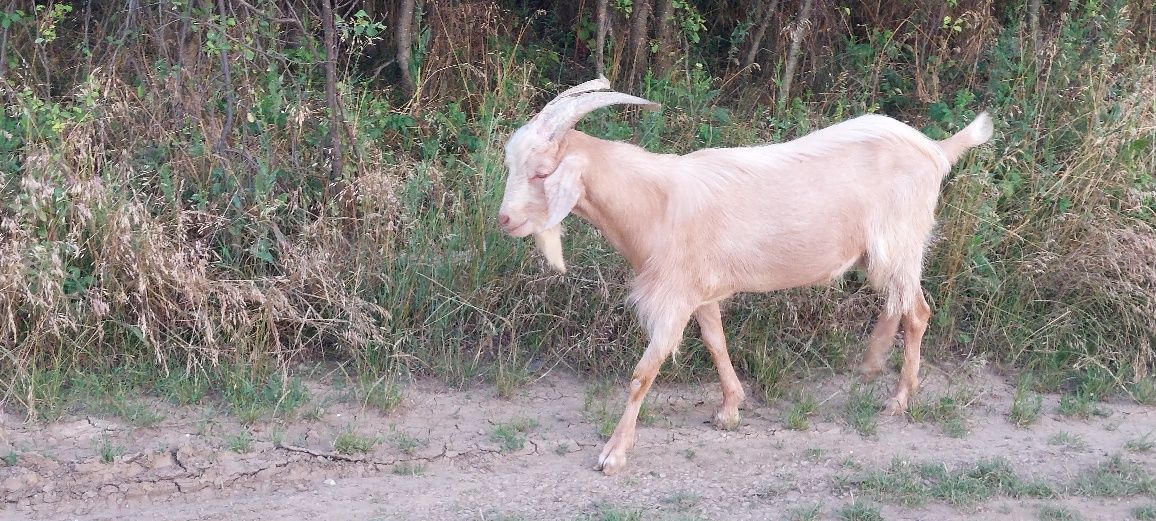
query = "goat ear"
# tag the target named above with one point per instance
(549, 242)
(563, 187)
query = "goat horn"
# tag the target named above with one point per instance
(600, 83)
(557, 118)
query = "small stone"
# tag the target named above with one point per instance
(330, 482)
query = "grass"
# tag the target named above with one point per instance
(797, 416)
(241, 442)
(1026, 406)
(861, 411)
(1144, 513)
(805, 513)
(683, 499)
(406, 443)
(946, 411)
(860, 511)
(409, 469)
(1140, 445)
(512, 435)
(1058, 513)
(1082, 406)
(1115, 477)
(609, 512)
(350, 442)
(108, 450)
(914, 484)
(1144, 390)
(1068, 440)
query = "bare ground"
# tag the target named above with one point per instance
(438, 457)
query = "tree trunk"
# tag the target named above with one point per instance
(600, 40)
(639, 41)
(404, 39)
(757, 37)
(666, 45)
(222, 143)
(331, 91)
(801, 25)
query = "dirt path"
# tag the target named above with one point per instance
(454, 454)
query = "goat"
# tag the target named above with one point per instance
(700, 227)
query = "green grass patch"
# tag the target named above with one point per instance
(798, 415)
(1058, 513)
(860, 511)
(351, 442)
(914, 484)
(1115, 477)
(512, 435)
(946, 411)
(1026, 406)
(861, 411)
(1142, 444)
(805, 513)
(409, 468)
(1082, 406)
(1068, 440)
(241, 442)
(1144, 513)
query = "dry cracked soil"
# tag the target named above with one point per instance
(448, 453)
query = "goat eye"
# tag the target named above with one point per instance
(541, 174)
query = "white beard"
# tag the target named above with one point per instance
(549, 242)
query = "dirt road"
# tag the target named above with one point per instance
(466, 454)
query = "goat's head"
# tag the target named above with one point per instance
(545, 179)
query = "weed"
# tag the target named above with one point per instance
(690, 454)
(798, 415)
(1141, 444)
(1144, 390)
(805, 513)
(861, 411)
(379, 393)
(1081, 406)
(814, 453)
(860, 511)
(1068, 440)
(10, 458)
(946, 412)
(108, 450)
(1116, 477)
(1144, 513)
(912, 484)
(562, 449)
(406, 443)
(409, 469)
(1026, 406)
(241, 442)
(350, 442)
(683, 499)
(1058, 513)
(511, 435)
(608, 512)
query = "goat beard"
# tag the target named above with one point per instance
(549, 242)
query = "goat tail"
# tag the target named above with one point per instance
(975, 134)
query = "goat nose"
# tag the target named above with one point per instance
(503, 219)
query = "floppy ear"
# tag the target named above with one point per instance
(563, 187)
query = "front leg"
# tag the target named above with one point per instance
(662, 344)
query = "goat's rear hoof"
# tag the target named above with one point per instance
(895, 407)
(727, 420)
(611, 465)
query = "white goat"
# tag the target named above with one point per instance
(701, 227)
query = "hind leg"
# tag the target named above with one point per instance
(914, 325)
(710, 324)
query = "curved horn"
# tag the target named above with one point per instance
(599, 83)
(556, 118)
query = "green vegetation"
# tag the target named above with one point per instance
(914, 484)
(860, 511)
(861, 411)
(1058, 513)
(511, 435)
(351, 442)
(209, 210)
(1026, 406)
(946, 411)
(798, 415)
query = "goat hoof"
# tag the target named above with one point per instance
(727, 420)
(895, 407)
(613, 456)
